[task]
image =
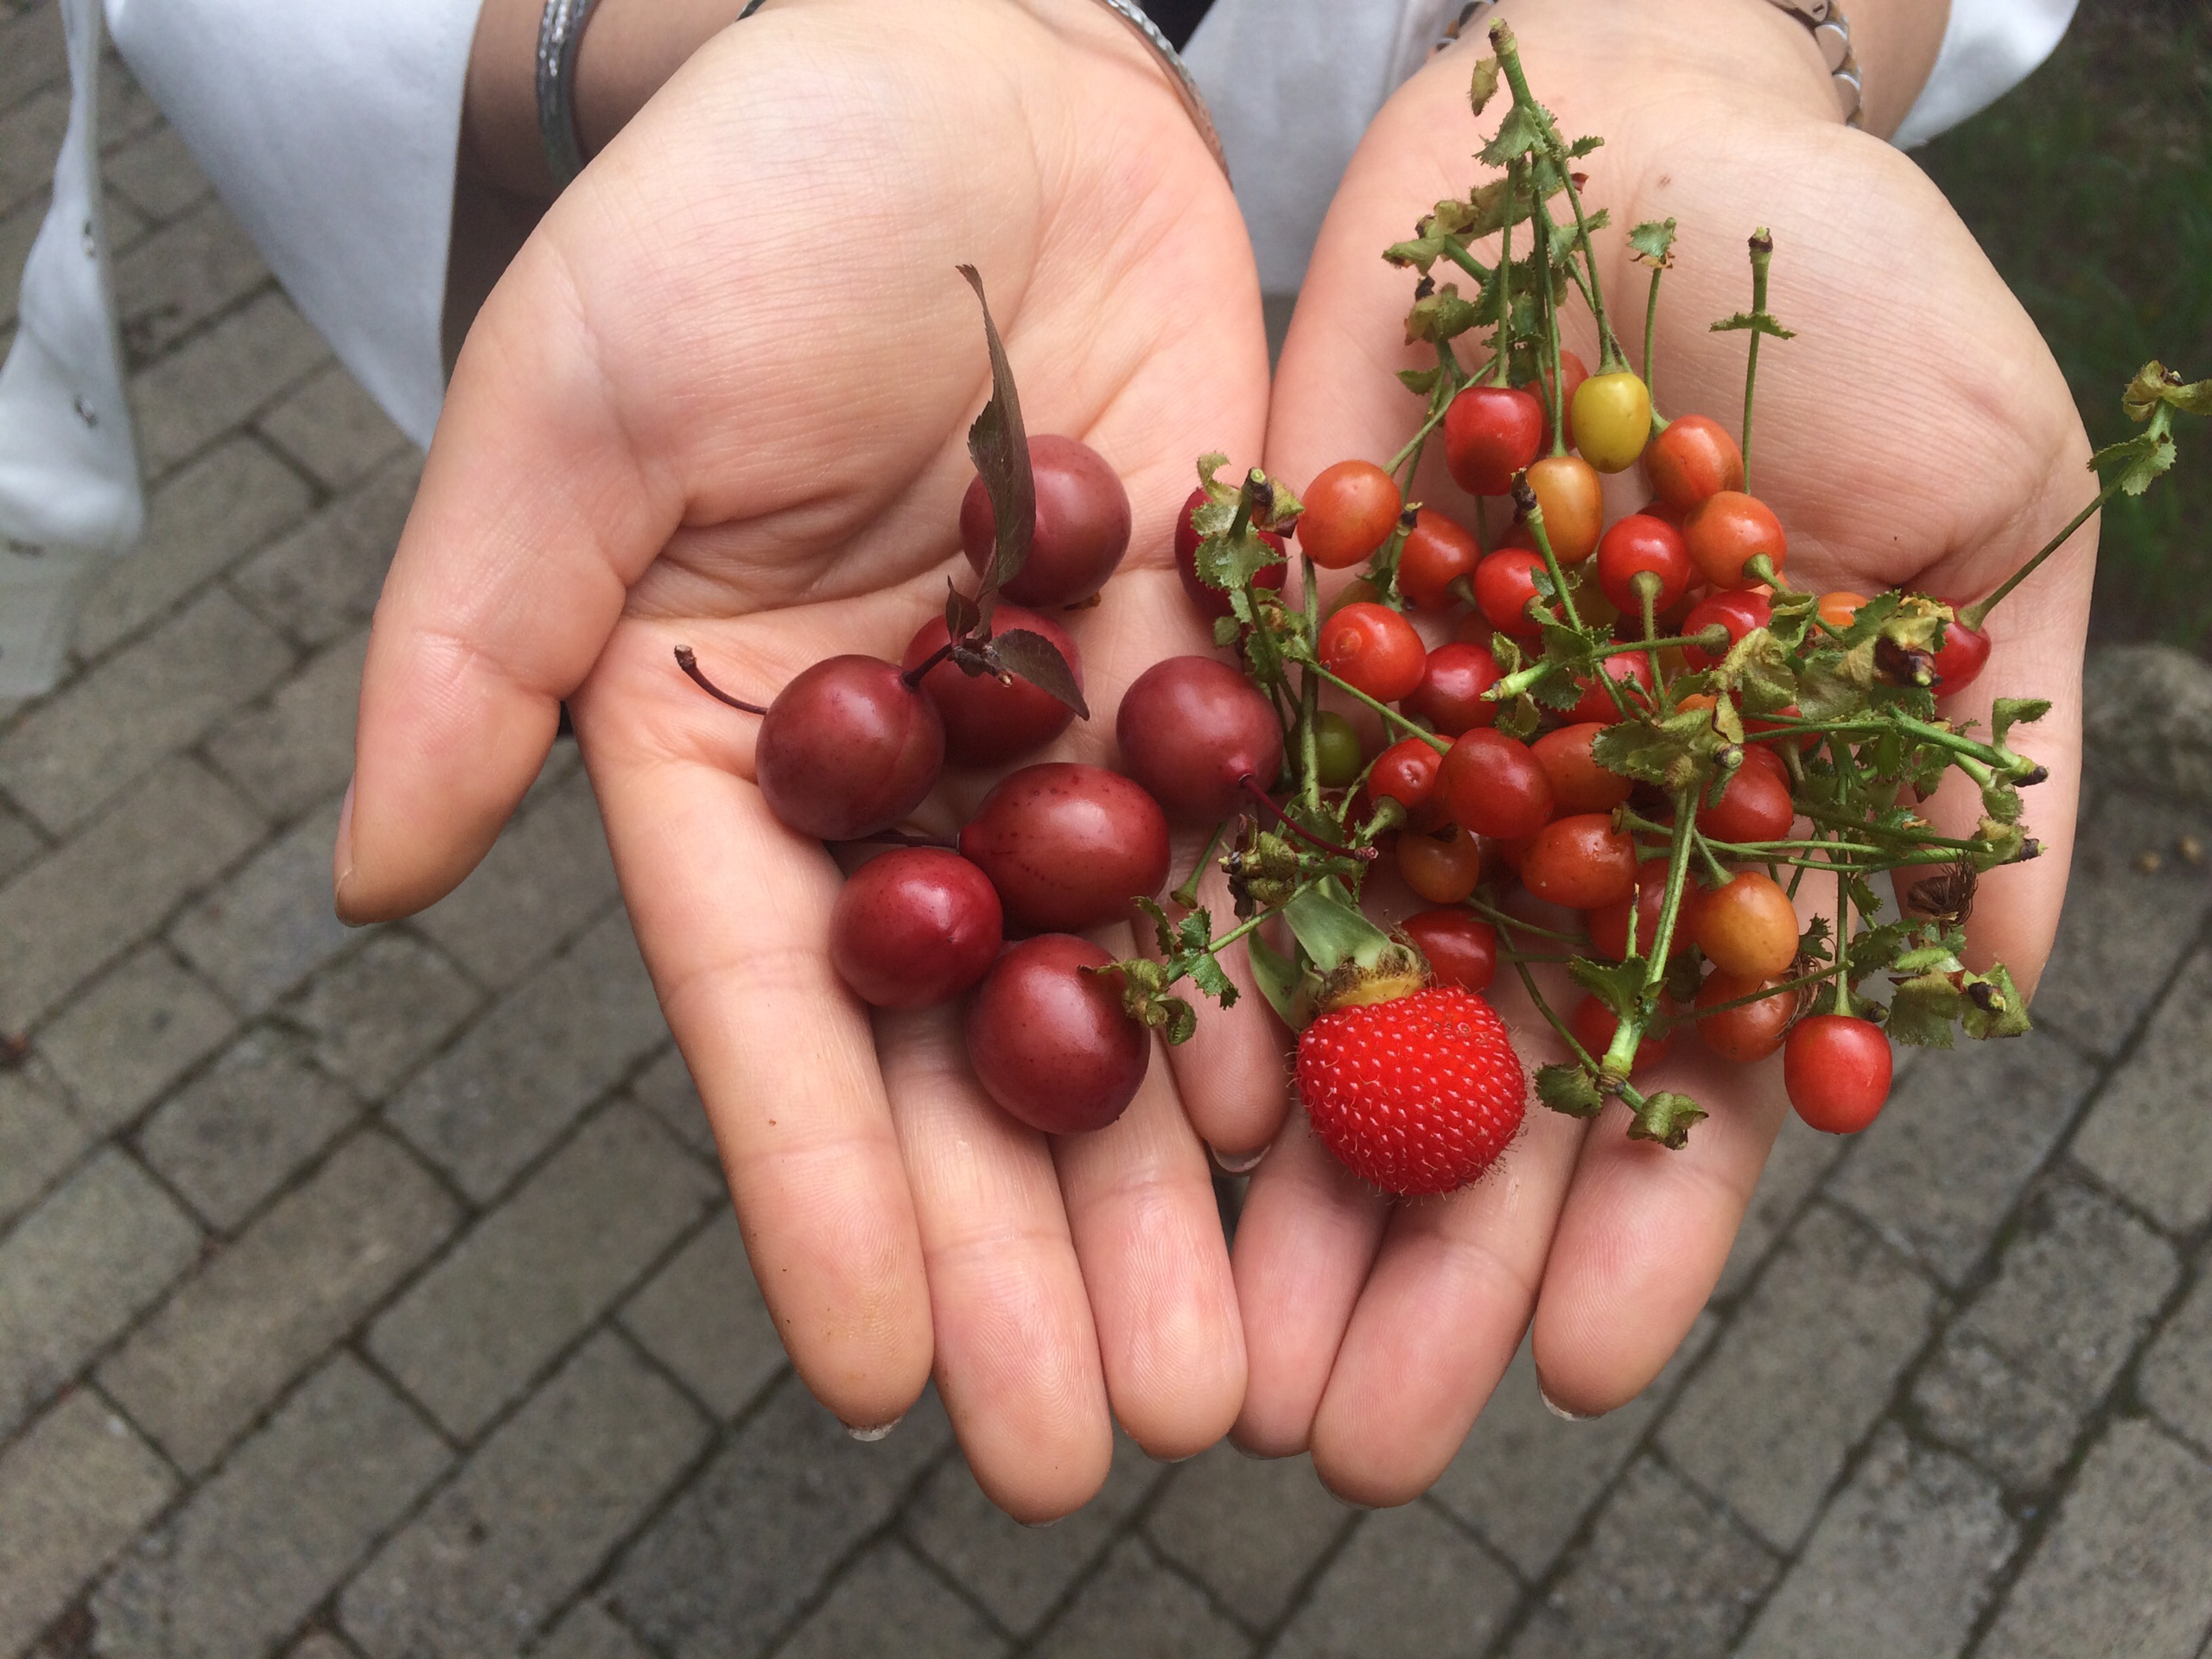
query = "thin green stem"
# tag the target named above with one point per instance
(1187, 894)
(1678, 875)
(1842, 940)
(1762, 256)
(1973, 615)
(1492, 913)
(1411, 728)
(1651, 338)
(1309, 744)
(1536, 996)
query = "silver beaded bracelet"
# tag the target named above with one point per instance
(1831, 32)
(561, 33)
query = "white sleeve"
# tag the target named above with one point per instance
(332, 129)
(1989, 48)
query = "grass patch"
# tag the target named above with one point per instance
(2090, 186)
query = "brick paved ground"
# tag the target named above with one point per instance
(371, 1294)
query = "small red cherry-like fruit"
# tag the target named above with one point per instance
(1574, 371)
(1836, 1068)
(1437, 553)
(1727, 530)
(1608, 923)
(1739, 613)
(1449, 695)
(1191, 730)
(1594, 1025)
(1754, 805)
(1751, 1032)
(915, 927)
(1490, 434)
(1694, 458)
(1416, 1094)
(1461, 948)
(1579, 782)
(848, 749)
(1373, 648)
(1068, 846)
(1611, 418)
(1504, 583)
(1492, 784)
(1628, 670)
(1573, 497)
(1083, 524)
(1637, 544)
(1050, 1042)
(1405, 773)
(1350, 509)
(1748, 927)
(988, 722)
(1964, 655)
(1213, 601)
(1580, 861)
(1443, 868)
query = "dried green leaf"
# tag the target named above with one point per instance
(1922, 1011)
(999, 447)
(2008, 712)
(1995, 1007)
(1666, 1117)
(1483, 85)
(1570, 1089)
(1618, 985)
(1755, 322)
(2143, 458)
(1652, 243)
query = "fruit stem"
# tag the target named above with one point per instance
(1492, 915)
(1536, 996)
(1762, 257)
(1843, 940)
(1650, 338)
(1678, 875)
(687, 661)
(1619, 1058)
(1524, 497)
(1407, 459)
(1974, 615)
(1501, 360)
(1556, 398)
(1357, 854)
(1187, 894)
(1309, 691)
(1410, 728)
(1783, 988)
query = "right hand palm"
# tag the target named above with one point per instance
(720, 400)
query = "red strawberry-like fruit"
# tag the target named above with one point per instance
(1419, 1093)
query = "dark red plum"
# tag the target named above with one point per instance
(1051, 1042)
(1068, 846)
(1083, 524)
(914, 927)
(848, 749)
(988, 721)
(1190, 729)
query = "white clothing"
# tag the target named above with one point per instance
(331, 130)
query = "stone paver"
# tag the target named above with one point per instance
(245, 1126)
(334, 429)
(2127, 1567)
(1665, 1572)
(887, 1602)
(1801, 1160)
(83, 904)
(1136, 1605)
(2037, 1350)
(1900, 1565)
(298, 747)
(666, 1089)
(751, 1541)
(1952, 1151)
(501, 1095)
(2146, 1135)
(78, 1270)
(139, 1027)
(1801, 1376)
(1409, 1582)
(702, 1316)
(1249, 1529)
(177, 278)
(1022, 1573)
(271, 925)
(73, 1491)
(155, 174)
(2176, 1380)
(531, 1515)
(321, 580)
(77, 751)
(472, 1331)
(295, 1281)
(221, 377)
(40, 1138)
(238, 1568)
(589, 1631)
(374, 1015)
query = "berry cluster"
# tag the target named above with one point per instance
(1610, 755)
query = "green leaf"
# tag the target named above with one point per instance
(1674, 753)
(1441, 316)
(1753, 321)
(2008, 712)
(2001, 801)
(1927, 959)
(1618, 985)
(1421, 381)
(1521, 131)
(1757, 669)
(2155, 385)
(1666, 1117)
(1277, 976)
(2145, 457)
(1568, 1089)
(1163, 930)
(999, 447)
(1331, 928)
(1652, 243)
(1038, 660)
(1923, 1010)
(1995, 1007)
(1484, 85)
(1876, 950)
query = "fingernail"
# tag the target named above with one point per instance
(341, 858)
(1561, 1412)
(870, 1436)
(1241, 1163)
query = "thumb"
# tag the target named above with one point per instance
(532, 520)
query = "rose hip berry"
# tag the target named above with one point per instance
(916, 926)
(1374, 649)
(1083, 524)
(1192, 730)
(1580, 861)
(1726, 530)
(1068, 846)
(1693, 459)
(1837, 1068)
(1437, 553)
(848, 749)
(1739, 613)
(1579, 782)
(1964, 654)
(1449, 695)
(1748, 928)
(1405, 773)
(1051, 1042)
(1631, 672)
(1490, 434)
(988, 722)
(1640, 542)
(1504, 583)
(1461, 947)
(1492, 784)
(1610, 414)
(1443, 868)
(1350, 509)
(1751, 1032)
(1573, 497)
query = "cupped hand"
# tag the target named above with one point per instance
(1916, 433)
(720, 400)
